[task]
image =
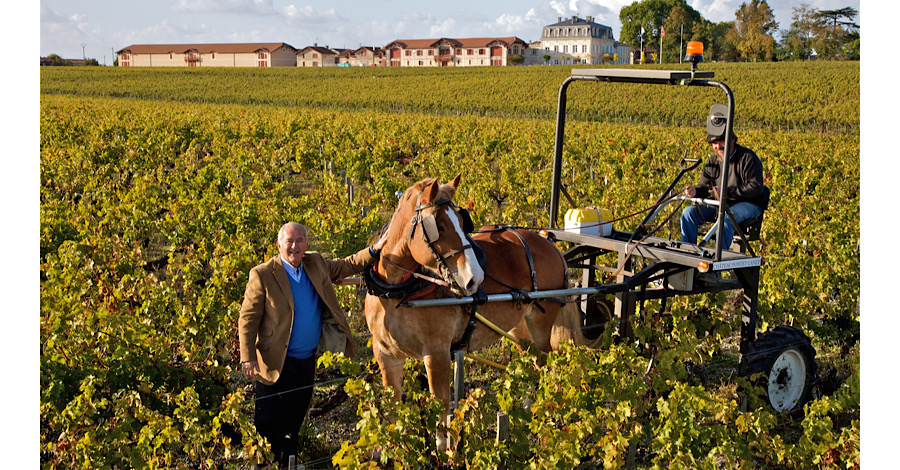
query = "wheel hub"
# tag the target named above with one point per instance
(787, 380)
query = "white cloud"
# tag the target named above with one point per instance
(716, 11)
(309, 15)
(263, 7)
(446, 28)
(73, 30)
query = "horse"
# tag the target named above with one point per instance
(427, 255)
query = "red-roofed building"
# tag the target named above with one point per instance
(269, 54)
(317, 56)
(364, 56)
(450, 52)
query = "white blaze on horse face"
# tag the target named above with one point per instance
(470, 275)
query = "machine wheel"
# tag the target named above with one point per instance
(786, 358)
(595, 320)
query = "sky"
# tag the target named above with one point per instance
(98, 28)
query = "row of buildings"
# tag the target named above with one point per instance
(569, 41)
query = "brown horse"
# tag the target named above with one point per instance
(426, 237)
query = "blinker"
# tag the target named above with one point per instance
(467, 225)
(429, 225)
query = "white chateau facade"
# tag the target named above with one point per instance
(579, 41)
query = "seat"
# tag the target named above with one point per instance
(751, 228)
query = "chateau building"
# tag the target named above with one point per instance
(317, 56)
(365, 56)
(270, 54)
(449, 52)
(570, 41)
(582, 41)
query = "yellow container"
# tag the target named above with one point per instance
(589, 221)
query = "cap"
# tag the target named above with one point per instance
(716, 123)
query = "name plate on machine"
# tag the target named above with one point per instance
(737, 264)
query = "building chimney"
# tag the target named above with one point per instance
(559, 19)
(574, 19)
(590, 19)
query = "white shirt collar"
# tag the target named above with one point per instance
(296, 273)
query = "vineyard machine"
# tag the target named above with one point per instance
(784, 354)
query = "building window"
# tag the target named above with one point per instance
(213, 55)
(408, 53)
(419, 52)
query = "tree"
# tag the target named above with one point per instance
(832, 33)
(797, 41)
(712, 35)
(680, 18)
(836, 34)
(752, 32)
(653, 16)
(546, 58)
(515, 59)
(834, 16)
(57, 60)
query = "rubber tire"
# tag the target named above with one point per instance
(786, 358)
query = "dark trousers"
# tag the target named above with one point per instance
(281, 407)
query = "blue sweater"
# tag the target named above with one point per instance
(307, 326)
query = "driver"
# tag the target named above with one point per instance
(745, 194)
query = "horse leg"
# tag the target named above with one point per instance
(391, 369)
(540, 324)
(438, 369)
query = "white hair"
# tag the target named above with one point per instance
(283, 229)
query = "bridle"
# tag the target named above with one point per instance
(431, 234)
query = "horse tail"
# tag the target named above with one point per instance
(569, 327)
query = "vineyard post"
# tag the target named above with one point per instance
(502, 433)
(459, 386)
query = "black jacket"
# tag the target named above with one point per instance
(745, 179)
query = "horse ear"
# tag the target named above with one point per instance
(429, 194)
(455, 182)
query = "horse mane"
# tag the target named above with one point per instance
(408, 198)
(444, 190)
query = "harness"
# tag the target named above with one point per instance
(411, 287)
(420, 282)
(430, 232)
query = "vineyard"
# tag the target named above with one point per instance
(161, 189)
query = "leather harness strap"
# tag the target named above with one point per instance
(534, 286)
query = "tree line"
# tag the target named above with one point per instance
(669, 24)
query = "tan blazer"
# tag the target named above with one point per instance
(267, 313)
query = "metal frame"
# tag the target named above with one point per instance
(667, 257)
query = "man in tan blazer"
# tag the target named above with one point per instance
(290, 316)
